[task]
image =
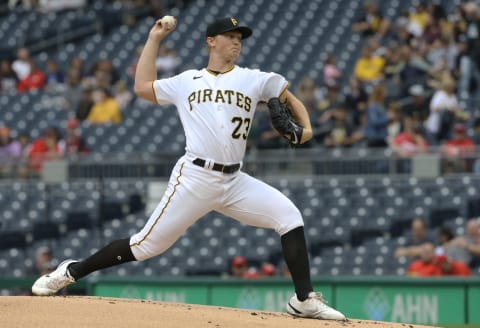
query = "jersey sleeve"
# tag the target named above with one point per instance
(272, 85)
(165, 90)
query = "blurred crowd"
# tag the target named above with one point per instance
(444, 254)
(243, 268)
(423, 251)
(415, 88)
(411, 89)
(50, 6)
(98, 94)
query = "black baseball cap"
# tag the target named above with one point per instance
(228, 24)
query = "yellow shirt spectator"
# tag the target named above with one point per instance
(369, 68)
(104, 110)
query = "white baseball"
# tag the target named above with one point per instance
(168, 22)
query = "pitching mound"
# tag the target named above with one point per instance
(73, 312)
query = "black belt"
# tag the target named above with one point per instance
(218, 167)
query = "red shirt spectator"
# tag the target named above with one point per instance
(423, 269)
(73, 143)
(458, 150)
(410, 141)
(35, 80)
(460, 144)
(239, 266)
(44, 148)
(425, 266)
(452, 267)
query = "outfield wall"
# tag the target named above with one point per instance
(397, 299)
(436, 301)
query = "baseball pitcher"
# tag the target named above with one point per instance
(216, 105)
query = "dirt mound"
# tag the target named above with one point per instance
(75, 311)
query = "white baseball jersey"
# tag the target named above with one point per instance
(217, 110)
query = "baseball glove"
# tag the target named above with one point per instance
(283, 122)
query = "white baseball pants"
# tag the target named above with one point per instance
(194, 191)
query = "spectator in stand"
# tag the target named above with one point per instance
(341, 129)
(445, 235)
(106, 66)
(476, 131)
(54, 77)
(356, 99)
(105, 108)
(103, 74)
(411, 140)
(451, 267)
(167, 62)
(469, 66)
(418, 20)
(23, 165)
(34, 81)
(73, 90)
(395, 121)
(24, 140)
(458, 151)
(268, 269)
(48, 6)
(10, 153)
(331, 98)
(408, 143)
(84, 105)
(238, 267)
(123, 95)
(391, 72)
(469, 244)
(133, 66)
(376, 125)
(425, 266)
(443, 108)
(417, 104)
(8, 78)
(399, 31)
(26, 4)
(44, 261)
(44, 148)
(73, 143)
(307, 92)
(466, 83)
(415, 239)
(22, 64)
(372, 22)
(252, 273)
(414, 70)
(285, 272)
(331, 73)
(77, 64)
(369, 68)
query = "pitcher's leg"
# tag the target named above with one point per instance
(295, 253)
(115, 253)
(256, 203)
(167, 222)
(180, 207)
(253, 202)
(184, 202)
